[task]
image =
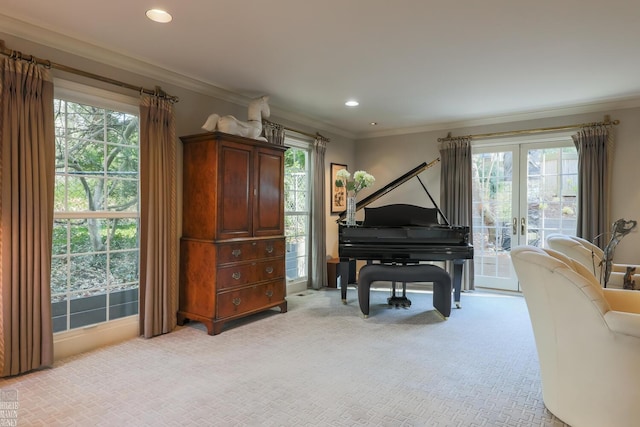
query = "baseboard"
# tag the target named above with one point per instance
(89, 338)
(296, 287)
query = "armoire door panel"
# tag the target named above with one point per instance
(235, 201)
(269, 197)
(198, 219)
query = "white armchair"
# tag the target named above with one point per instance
(591, 257)
(587, 338)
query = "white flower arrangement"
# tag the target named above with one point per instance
(360, 180)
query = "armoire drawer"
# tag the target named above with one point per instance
(248, 250)
(244, 273)
(270, 248)
(251, 298)
(235, 252)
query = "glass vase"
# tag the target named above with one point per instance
(351, 210)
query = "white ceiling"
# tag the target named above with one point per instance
(412, 64)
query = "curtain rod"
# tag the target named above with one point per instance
(607, 122)
(310, 135)
(45, 62)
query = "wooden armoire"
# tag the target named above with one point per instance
(232, 250)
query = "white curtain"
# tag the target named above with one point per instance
(318, 268)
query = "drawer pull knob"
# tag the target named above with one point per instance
(269, 293)
(269, 270)
(236, 252)
(236, 275)
(269, 249)
(236, 301)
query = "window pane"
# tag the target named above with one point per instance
(94, 274)
(60, 194)
(122, 195)
(59, 277)
(123, 161)
(123, 267)
(59, 237)
(123, 233)
(297, 212)
(86, 236)
(87, 272)
(85, 194)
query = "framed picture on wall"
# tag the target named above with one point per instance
(338, 194)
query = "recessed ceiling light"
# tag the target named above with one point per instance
(158, 15)
(373, 123)
(352, 103)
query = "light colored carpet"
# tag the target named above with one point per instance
(320, 364)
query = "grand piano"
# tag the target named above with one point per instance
(399, 236)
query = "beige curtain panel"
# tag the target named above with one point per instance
(318, 221)
(158, 217)
(593, 145)
(27, 177)
(455, 192)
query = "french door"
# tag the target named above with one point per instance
(521, 194)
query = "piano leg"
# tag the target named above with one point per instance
(343, 278)
(458, 264)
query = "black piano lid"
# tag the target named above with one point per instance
(395, 183)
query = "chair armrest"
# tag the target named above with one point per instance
(622, 268)
(616, 280)
(623, 323)
(623, 300)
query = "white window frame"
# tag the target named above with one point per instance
(303, 143)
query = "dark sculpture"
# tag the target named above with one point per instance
(629, 283)
(620, 229)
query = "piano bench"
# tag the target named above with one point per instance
(406, 273)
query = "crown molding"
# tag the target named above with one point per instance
(47, 37)
(103, 55)
(594, 107)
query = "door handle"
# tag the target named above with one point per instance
(523, 226)
(514, 223)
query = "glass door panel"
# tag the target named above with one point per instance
(521, 194)
(495, 201)
(551, 193)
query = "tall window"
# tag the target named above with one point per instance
(94, 275)
(297, 213)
